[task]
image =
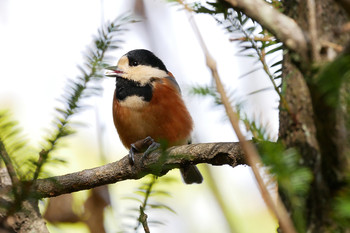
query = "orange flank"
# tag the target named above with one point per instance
(165, 117)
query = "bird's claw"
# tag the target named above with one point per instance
(131, 155)
(147, 144)
(154, 146)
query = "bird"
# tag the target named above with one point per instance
(148, 107)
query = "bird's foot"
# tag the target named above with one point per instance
(152, 147)
(131, 154)
(147, 144)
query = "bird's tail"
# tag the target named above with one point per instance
(191, 174)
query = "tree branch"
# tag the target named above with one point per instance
(284, 28)
(311, 5)
(7, 160)
(155, 163)
(252, 156)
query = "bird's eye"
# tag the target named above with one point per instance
(134, 63)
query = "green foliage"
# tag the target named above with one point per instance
(341, 207)
(277, 4)
(84, 86)
(19, 157)
(330, 80)
(284, 164)
(16, 146)
(257, 132)
(206, 91)
(334, 85)
(258, 43)
(143, 197)
(254, 41)
(293, 179)
(213, 8)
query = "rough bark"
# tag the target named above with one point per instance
(155, 163)
(319, 131)
(25, 219)
(28, 218)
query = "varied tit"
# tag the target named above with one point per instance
(147, 106)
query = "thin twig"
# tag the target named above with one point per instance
(143, 217)
(311, 5)
(16, 186)
(255, 38)
(249, 150)
(143, 220)
(338, 48)
(9, 166)
(42, 157)
(283, 27)
(262, 57)
(227, 212)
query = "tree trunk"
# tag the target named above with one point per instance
(26, 219)
(316, 128)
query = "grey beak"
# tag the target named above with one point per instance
(113, 71)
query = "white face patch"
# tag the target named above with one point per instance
(140, 73)
(134, 102)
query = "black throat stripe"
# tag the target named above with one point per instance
(126, 87)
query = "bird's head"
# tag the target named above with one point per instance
(139, 65)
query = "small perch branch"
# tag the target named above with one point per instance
(143, 220)
(211, 153)
(284, 28)
(311, 5)
(255, 38)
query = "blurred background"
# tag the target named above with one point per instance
(41, 44)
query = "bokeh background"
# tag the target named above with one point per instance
(41, 44)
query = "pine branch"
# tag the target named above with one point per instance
(284, 28)
(143, 220)
(143, 196)
(11, 144)
(8, 163)
(211, 153)
(262, 58)
(16, 188)
(143, 217)
(14, 149)
(255, 38)
(81, 88)
(252, 156)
